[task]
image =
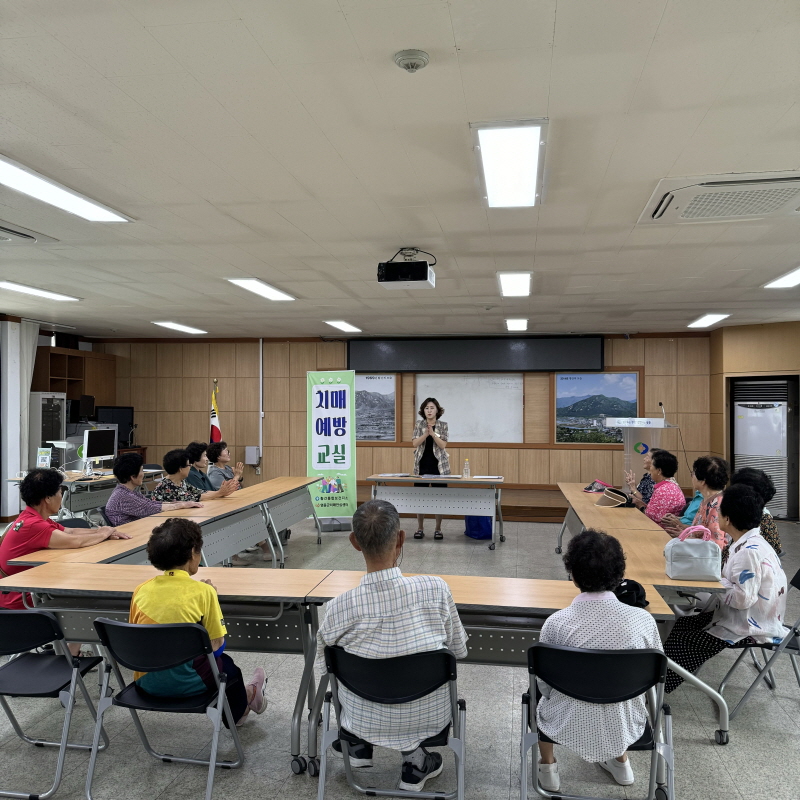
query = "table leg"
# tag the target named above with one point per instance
(499, 495)
(305, 688)
(571, 521)
(721, 734)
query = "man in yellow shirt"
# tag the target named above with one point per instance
(175, 547)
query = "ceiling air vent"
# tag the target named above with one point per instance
(723, 198)
(11, 234)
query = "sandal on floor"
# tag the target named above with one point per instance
(419, 535)
(438, 535)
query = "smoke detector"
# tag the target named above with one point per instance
(411, 60)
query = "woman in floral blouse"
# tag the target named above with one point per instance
(667, 497)
(174, 487)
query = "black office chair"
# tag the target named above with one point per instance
(106, 520)
(393, 681)
(75, 522)
(56, 674)
(790, 644)
(152, 648)
(603, 676)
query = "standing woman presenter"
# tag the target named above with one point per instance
(430, 454)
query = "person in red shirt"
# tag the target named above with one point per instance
(34, 530)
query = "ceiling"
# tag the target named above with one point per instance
(277, 139)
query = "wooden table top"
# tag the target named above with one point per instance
(604, 518)
(448, 479)
(120, 580)
(77, 476)
(496, 595)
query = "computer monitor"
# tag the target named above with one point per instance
(122, 416)
(100, 444)
(87, 406)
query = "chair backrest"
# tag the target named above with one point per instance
(597, 676)
(153, 466)
(104, 516)
(152, 648)
(75, 522)
(391, 680)
(21, 631)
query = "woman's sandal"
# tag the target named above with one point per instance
(438, 535)
(419, 535)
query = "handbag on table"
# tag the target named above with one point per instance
(693, 559)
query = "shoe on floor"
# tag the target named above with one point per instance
(259, 683)
(419, 535)
(360, 754)
(438, 535)
(549, 779)
(239, 561)
(412, 778)
(621, 772)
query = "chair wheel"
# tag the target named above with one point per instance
(558, 550)
(313, 767)
(661, 794)
(502, 538)
(721, 737)
(492, 546)
(299, 765)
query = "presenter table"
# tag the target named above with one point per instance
(478, 497)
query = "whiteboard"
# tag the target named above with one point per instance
(478, 406)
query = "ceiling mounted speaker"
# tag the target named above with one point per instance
(411, 60)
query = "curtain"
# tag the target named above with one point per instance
(28, 342)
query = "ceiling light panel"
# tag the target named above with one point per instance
(707, 320)
(22, 179)
(176, 326)
(511, 157)
(259, 287)
(517, 324)
(788, 281)
(18, 287)
(514, 284)
(343, 326)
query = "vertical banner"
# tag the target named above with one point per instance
(332, 442)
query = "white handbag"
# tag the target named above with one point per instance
(693, 559)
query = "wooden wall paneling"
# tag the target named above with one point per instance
(565, 465)
(302, 358)
(537, 427)
(146, 429)
(195, 360)
(196, 427)
(660, 388)
(627, 353)
(246, 394)
(717, 398)
(298, 394)
(247, 360)
(100, 380)
(277, 425)
(716, 343)
(275, 462)
(250, 477)
(608, 352)
(122, 351)
(684, 476)
(694, 356)
(169, 428)
(276, 394)
(143, 394)
(197, 395)
(717, 435)
(169, 360)
(276, 359)
(409, 411)
(227, 394)
(297, 462)
(169, 394)
(617, 468)
(669, 439)
(123, 393)
(143, 360)
(390, 459)
(222, 360)
(229, 430)
(246, 428)
(660, 357)
(156, 453)
(501, 462)
(478, 461)
(331, 355)
(298, 428)
(364, 463)
(693, 394)
(694, 428)
(456, 461)
(761, 348)
(596, 464)
(534, 466)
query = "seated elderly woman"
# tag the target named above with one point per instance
(175, 489)
(596, 619)
(762, 485)
(127, 501)
(754, 604)
(220, 469)
(198, 457)
(644, 489)
(667, 497)
(175, 547)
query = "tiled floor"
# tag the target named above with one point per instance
(760, 761)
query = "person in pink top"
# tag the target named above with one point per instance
(667, 497)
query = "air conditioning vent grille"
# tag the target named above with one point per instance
(744, 203)
(756, 391)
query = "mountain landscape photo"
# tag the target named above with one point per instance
(584, 401)
(374, 416)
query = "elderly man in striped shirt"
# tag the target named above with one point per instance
(388, 615)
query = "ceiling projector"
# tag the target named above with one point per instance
(406, 275)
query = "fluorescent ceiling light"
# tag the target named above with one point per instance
(259, 287)
(343, 326)
(517, 324)
(706, 320)
(511, 154)
(21, 179)
(787, 281)
(176, 326)
(18, 287)
(514, 284)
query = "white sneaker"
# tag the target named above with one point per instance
(549, 779)
(621, 771)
